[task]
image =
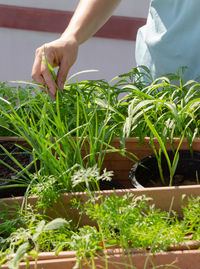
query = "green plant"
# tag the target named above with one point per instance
(75, 129)
(86, 116)
(130, 222)
(165, 110)
(70, 137)
(172, 166)
(172, 109)
(191, 213)
(57, 148)
(15, 96)
(33, 239)
(123, 222)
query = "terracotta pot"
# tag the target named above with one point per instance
(146, 172)
(122, 165)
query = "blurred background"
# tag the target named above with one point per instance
(27, 24)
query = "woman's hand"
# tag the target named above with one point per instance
(61, 52)
(87, 19)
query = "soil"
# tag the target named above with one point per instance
(110, 185)
(18, 154)
(6, 173)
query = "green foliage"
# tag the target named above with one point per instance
(78, 127)
(171, 165)
(58, 147)
(86, 242)
(165, 109)
(34, 236)
(129, 221)
(70, 137)
(191, 216)
(90, 178)
(171, 106)
(10, 219)
(126, 222)
(15, 97)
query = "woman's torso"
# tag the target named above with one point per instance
(171, 38)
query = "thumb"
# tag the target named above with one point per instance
(62, 75)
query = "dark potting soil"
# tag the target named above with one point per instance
(110, 185)
(19, 155)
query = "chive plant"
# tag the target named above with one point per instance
(74, 130)
(15, 96)
(56, 147)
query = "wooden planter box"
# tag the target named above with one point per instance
(187, 259)
(163, 198)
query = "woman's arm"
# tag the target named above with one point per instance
(87, 19)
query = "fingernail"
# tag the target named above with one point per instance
(43, 89)
(61, 85)
(52, 93)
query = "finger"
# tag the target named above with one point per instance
(47, 75)
(62, 74)
(36, 71)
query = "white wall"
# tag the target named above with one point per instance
(111, 57)
(135, 8)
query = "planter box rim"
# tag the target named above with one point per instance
(175, 189)
(110, 252)
(13, 138)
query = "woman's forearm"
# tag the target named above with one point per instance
(88, 18)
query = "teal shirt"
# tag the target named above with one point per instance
(171, 38)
